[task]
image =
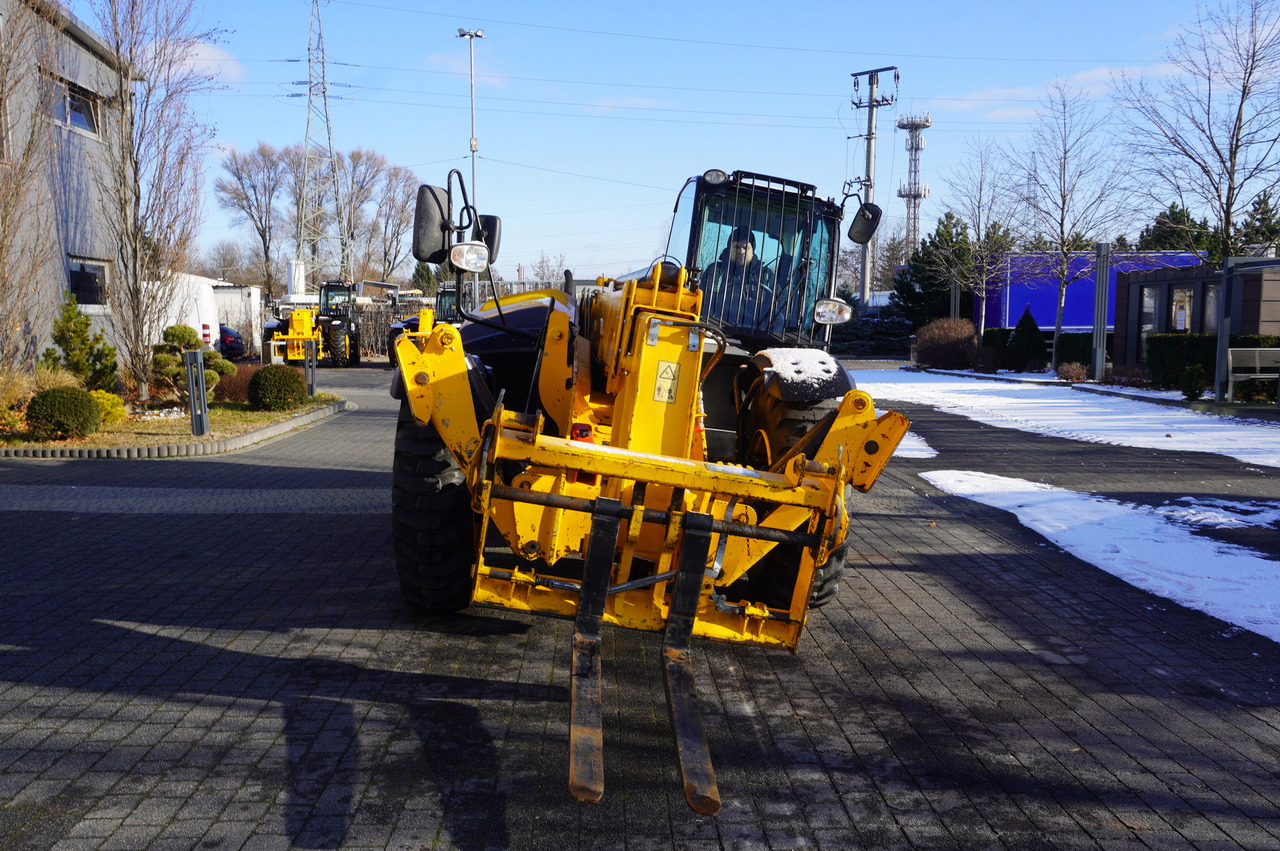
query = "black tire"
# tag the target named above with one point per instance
(431, 520)
(354, 348)
(336, 340)
(780, 425)
(774, 577)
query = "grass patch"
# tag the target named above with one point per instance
(226, 419)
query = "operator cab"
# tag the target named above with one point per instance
(335, 296)
(764, 250)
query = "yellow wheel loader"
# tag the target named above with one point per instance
(673, 450)
(332, 327)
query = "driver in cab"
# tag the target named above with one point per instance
(734, 282)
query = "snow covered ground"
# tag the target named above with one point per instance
(1152, 548)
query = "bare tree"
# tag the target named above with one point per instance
(359, 173)
(981, 197)
(254, 182)
(393, 219)
(1075, 188)
(1207, 132)
(27, 209)
(154, 150)
(229, 261)
(548, 268)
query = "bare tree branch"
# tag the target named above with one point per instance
(152, 186)
(28, 211)
(1206, 133)
(250, 190)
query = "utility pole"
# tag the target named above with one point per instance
(868, 181)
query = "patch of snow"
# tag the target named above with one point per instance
(1141, 545)
(1059, 411)
(913, 445)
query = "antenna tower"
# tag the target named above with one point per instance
(319, 166)
(915, 191)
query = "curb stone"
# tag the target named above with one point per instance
(184, 450)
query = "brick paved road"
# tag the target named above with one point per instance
(211, 653)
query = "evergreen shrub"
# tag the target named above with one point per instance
(110, 405)
(1026, 350)
(276, 387)
(88, 356)
(63, 412)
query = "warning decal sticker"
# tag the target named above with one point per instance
(664, 388)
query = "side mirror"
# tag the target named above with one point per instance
(864, 224)
(432, 225)
(488, 230)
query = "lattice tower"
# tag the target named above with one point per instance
(915, 191)
(320, 200)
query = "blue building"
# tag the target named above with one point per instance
(1029, 280)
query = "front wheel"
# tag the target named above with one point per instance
(772, 428)
(431, 519)
(337, 342)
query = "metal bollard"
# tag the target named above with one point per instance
(309, 366)
(197, 395)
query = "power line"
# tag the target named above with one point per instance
(739, 45)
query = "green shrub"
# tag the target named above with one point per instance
(111, 406)
(1194, 380)
(1026, 351)
(946, 344)
(89, 357)
(63, 412)
(276, 387)
(1075, 347)
(164, 360)
(183, 336)
(221, 366)
(1169, 356)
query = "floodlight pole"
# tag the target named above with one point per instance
(471, 36)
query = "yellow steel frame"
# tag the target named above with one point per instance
(638, 442)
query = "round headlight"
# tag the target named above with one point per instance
(714, 176)
(831, 311)
(469, 256)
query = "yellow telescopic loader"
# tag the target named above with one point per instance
(673, 450)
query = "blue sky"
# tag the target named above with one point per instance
(591, 115)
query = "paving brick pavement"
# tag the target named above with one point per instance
(240, 674)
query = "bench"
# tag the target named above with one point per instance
(1248, 364)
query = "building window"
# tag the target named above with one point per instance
(1212, 307)
(1180, 309)
(73, 106)
(87, 281)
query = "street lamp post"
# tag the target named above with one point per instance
(471, 36)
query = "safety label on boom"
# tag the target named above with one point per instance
(664, 388)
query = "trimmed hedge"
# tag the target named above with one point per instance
(1169, 356)
(277, 387)
(1075, 347)
(63, 412)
